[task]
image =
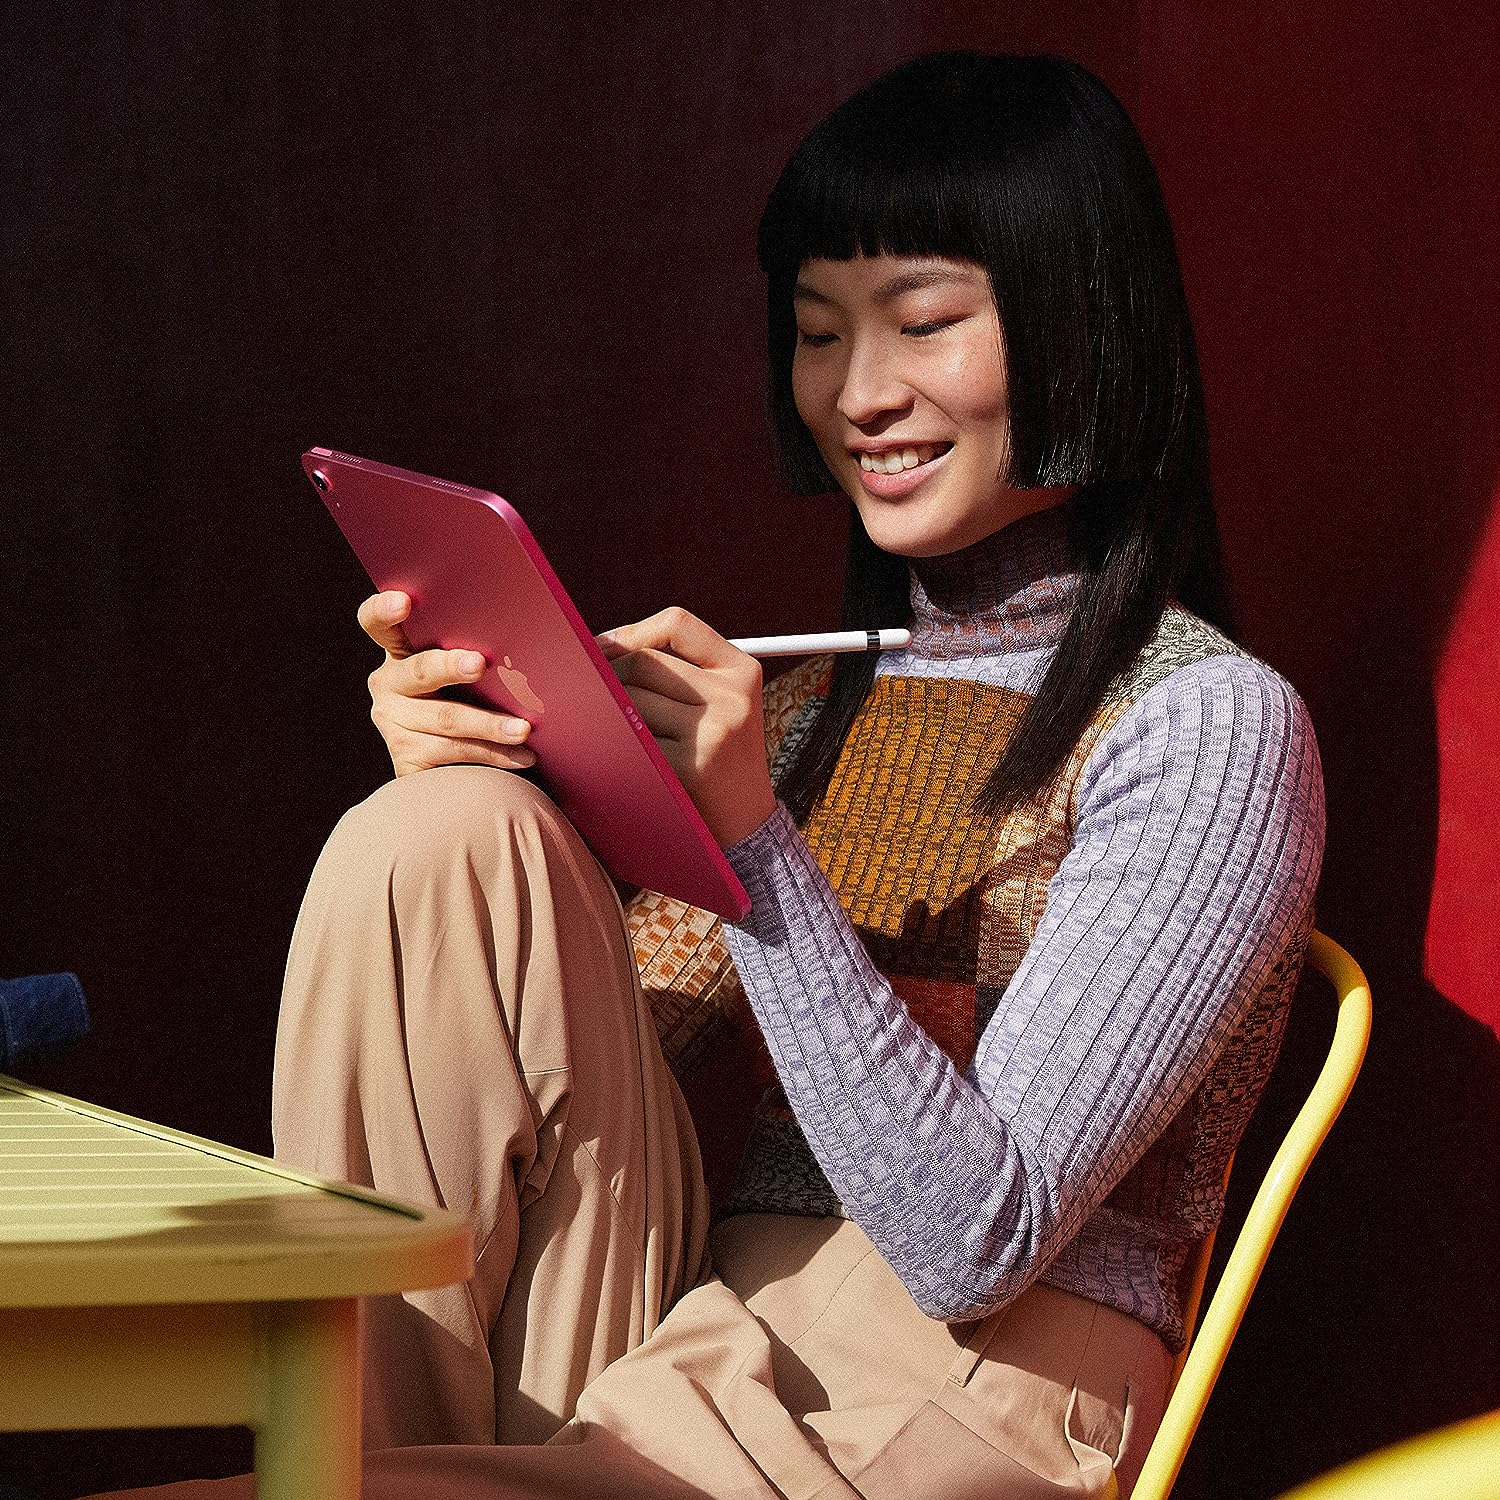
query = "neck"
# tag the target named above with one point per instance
(1013, 591)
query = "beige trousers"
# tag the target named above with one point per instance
(463, 1025)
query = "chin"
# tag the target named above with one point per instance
(903, 535)
(916, 549)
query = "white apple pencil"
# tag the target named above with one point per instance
(830, 640)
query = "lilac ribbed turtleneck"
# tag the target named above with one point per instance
(1010, 592)
(1194, 846)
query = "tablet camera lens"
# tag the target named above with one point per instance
(320, 479)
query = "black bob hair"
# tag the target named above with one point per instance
(1030, 167)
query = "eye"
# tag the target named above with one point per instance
(815, 340)
(926, 330)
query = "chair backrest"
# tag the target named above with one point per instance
(1201, 1361)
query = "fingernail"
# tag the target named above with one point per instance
(471, 662)
(393, 606)
(516, 729)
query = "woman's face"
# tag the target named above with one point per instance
(899, 374)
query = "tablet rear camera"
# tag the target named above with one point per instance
(320, 479)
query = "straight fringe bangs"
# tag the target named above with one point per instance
(1030, 167)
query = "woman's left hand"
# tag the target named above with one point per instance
(700, 698)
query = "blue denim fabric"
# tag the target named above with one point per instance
(39, 1013)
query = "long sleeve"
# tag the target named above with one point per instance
(1192, 867)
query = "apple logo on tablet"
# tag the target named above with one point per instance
(517, 685)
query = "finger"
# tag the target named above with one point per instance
(426, 672)
(427, 752)
(381, 617)
(669, 676)
(444, 718)
(677, 631)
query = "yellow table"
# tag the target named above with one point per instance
(151, 1279)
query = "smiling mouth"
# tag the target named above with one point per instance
(894, 460)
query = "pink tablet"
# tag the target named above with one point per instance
(478, 581)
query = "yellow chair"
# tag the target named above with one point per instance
(1461, 1462)
(1200, 1362)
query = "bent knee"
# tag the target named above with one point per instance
(429, 816)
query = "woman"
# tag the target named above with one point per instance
(1028, 899)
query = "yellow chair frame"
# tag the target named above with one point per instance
(1203, 1357)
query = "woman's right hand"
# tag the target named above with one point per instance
(420, 729)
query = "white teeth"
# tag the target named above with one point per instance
(897, 460)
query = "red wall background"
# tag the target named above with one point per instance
(514, 246)
(1331, 173)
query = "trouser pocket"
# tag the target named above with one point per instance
(1032, 1406)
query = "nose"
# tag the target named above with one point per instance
(872, 389)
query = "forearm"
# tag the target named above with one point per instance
(1192, 868)
(906, 1142)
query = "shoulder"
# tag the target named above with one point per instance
(1181, 640)
(1189, 664)
(1199, 719)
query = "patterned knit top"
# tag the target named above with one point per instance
(1022, 1047)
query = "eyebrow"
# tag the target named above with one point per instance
(888, 291)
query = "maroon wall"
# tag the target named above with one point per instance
(1331, 175)
(514, 246)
